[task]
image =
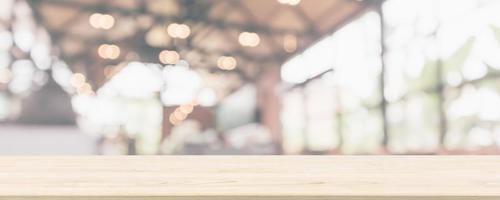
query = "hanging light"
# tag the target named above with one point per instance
(226, 63)
(108, 51)
(169, 57)
(181, 31)
(184, 31)
(101, 21)
(249, 39)
(107, 22)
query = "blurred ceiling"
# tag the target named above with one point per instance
(140, 30)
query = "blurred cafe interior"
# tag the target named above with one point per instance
(265, 77)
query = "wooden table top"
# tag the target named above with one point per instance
(251, 177)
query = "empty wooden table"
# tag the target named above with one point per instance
(251, 177)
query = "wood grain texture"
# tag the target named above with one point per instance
(251, 177)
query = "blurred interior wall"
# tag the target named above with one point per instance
(45, 140)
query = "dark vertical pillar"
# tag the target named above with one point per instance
(131, 146)
(166, 126)
(270, 105)
(383, 101)
(443, 122)
(441, 107)
(164, 123)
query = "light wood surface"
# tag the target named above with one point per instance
(251, 177)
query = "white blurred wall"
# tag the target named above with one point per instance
(44, 140)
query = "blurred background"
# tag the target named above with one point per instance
(146, 77)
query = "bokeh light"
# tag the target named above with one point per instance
(181, 31)
(249, 39)
(169, 57)
(226, 63)
(108, 51)
(101, 21)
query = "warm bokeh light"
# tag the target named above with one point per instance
(101, 21)
(181, 31)
(108, 51)
(249, 39)
(178, 114)
(95, 19)
(181, 113)
(186, 108)
(107, 21)
(173, 120)
(290, 43)
(169, 57)
(226, 63)
(184, 31)
(85, 89)
(77, 80)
